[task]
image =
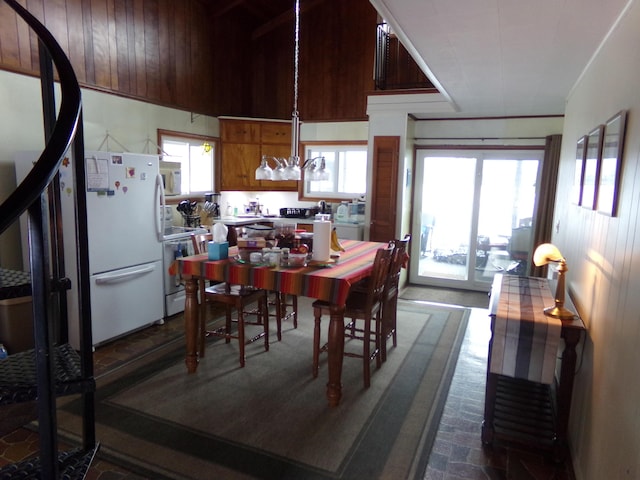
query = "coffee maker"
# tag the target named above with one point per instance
(212, 205)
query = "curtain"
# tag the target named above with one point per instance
(549, 180)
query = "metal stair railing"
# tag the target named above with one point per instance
(38, 195)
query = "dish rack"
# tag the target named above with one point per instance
(299, 212)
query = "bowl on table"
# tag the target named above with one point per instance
(297, 259)
(244, 254)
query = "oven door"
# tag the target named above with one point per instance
(176, 244)
(173, 288)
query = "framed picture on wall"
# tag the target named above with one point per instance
(591, 168)
(578, 177)
(611, 164)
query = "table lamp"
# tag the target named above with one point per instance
(549, 253)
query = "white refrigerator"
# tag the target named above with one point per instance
(123, 198)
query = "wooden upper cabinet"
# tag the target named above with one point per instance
(276, 133)
(239, 163)
(243, 142)
(239, 131)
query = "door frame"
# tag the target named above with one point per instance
(481, 153)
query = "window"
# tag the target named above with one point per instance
(196, 154)
(347, 164)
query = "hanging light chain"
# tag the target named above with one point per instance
(295, 120)
(296, 55)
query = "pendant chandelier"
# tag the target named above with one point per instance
(291, 169)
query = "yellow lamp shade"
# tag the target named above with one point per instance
(545, 253)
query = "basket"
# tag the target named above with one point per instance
(298, 212)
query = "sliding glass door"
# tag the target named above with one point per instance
(473, 211)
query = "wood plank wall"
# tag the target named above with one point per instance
(177, 54)
(152, 50)
(337, 54)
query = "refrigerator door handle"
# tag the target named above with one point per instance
(119, 277)
(159, 207)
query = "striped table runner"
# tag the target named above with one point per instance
(525, 340)
(331, 284)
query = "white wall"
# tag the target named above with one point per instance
(603, 256)
(129, 124)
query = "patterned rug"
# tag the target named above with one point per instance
(271, 419)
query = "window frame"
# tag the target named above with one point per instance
(304, 146)
(213, 141)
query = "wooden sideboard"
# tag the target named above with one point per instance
(527, 412)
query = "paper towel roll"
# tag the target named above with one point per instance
(321, 241)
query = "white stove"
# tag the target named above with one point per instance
(176, 244)
(175, 233)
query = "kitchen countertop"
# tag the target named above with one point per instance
(248, 220)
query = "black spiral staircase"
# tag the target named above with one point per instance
(53, 368)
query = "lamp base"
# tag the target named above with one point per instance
(559, 312)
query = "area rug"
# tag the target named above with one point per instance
(271, 419)
(445, 296)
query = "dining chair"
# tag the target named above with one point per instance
(282, 302)
(365, 307)
(390, 306)
(232, 297)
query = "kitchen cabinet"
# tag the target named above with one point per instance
(243, 142)
(278, 133)
(239, 163)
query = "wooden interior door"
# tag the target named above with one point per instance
(385, 188)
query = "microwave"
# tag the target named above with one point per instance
(171, 177)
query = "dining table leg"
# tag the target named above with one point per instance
(335, 351)
(191, 313)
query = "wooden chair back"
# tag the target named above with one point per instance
(378, 278)
(200, 242)
(401, 247)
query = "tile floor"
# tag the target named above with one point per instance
(457, 451)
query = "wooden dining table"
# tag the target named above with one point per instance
(329, 281)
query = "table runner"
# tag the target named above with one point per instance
(525, 340)
(331, 284)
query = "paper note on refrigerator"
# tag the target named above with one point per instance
(97, 174)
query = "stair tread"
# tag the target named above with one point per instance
(18, 375)
(72, 464)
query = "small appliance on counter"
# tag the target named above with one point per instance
(356, 212)
(171, 177)
(299, 212)
(212, 205)
(325, 208)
